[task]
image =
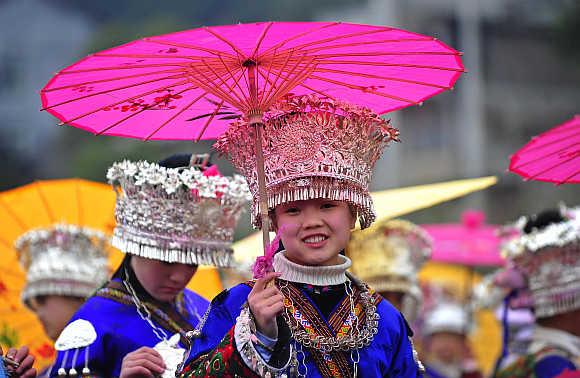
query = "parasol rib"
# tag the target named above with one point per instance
(555, 141)
(7, 245)
(236, 81)
(229, 43)
(559, 163)
(299, 35)
(6, 270)
(367, 63)
(14, 216)
(231, 89)
(569, 178)
(47, 208)
(387, 53)
(133, 114)
(80, 220)
(543, 157)
(338, 37)
(188, 46)
(387, 78)
(269, 95)
(268, 104)
(363, 89)
(261, 38)
(363, 43)
(214, 89)
(110, 90)
(217, 109)
(175, 115)
(266, 78)
(122, 101)
(149, 56)
(76, 85)
(293, 82)
(124, 67)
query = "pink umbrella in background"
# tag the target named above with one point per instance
(553, 156)
(471, 243)
(189, 85)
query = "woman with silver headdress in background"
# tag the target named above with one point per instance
(64, 266)
(171, 217)
(546, 255)
(388, 257)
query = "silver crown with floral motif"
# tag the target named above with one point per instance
(181, 215)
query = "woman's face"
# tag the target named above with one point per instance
(447, 347)
(163, 281)
(54, 312)
(314, 231)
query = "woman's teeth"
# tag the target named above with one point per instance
(315, 239)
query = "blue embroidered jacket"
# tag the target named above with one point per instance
(390, 354)
(121, 330)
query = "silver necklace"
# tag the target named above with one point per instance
(353, 341)
(142, 310)
(171, 354)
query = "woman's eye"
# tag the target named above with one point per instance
(292, 210)
(327, 205)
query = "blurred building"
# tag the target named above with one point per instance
(36, 38)
(518, 85)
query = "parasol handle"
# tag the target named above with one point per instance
(262, 195)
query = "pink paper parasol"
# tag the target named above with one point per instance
(189, 85)
(553, 156)
(471, 243)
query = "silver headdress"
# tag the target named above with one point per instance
(176, 215)
(549, 259)
(313, 148)
(63, 260)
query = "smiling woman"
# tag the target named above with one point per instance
(313, 230)
(308, 317)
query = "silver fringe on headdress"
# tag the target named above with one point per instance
(176, 215)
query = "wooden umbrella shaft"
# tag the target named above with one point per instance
(256, 122)
(262, 195)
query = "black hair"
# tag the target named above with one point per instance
(176, 161)
(180, 161)
(543, 220)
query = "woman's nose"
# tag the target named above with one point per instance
(182, 272)
(312, 217)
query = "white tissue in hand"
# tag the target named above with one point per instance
(171, 354)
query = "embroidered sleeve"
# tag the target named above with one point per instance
(223, 361)
(236, 354)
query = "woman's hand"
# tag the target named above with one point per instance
(266, 302)
(22, 360)
(143, 362)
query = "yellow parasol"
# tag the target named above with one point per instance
(41, 204)
(388, 204)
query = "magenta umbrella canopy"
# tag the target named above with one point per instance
(471, 243)
(189, 85)
(553, 156)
